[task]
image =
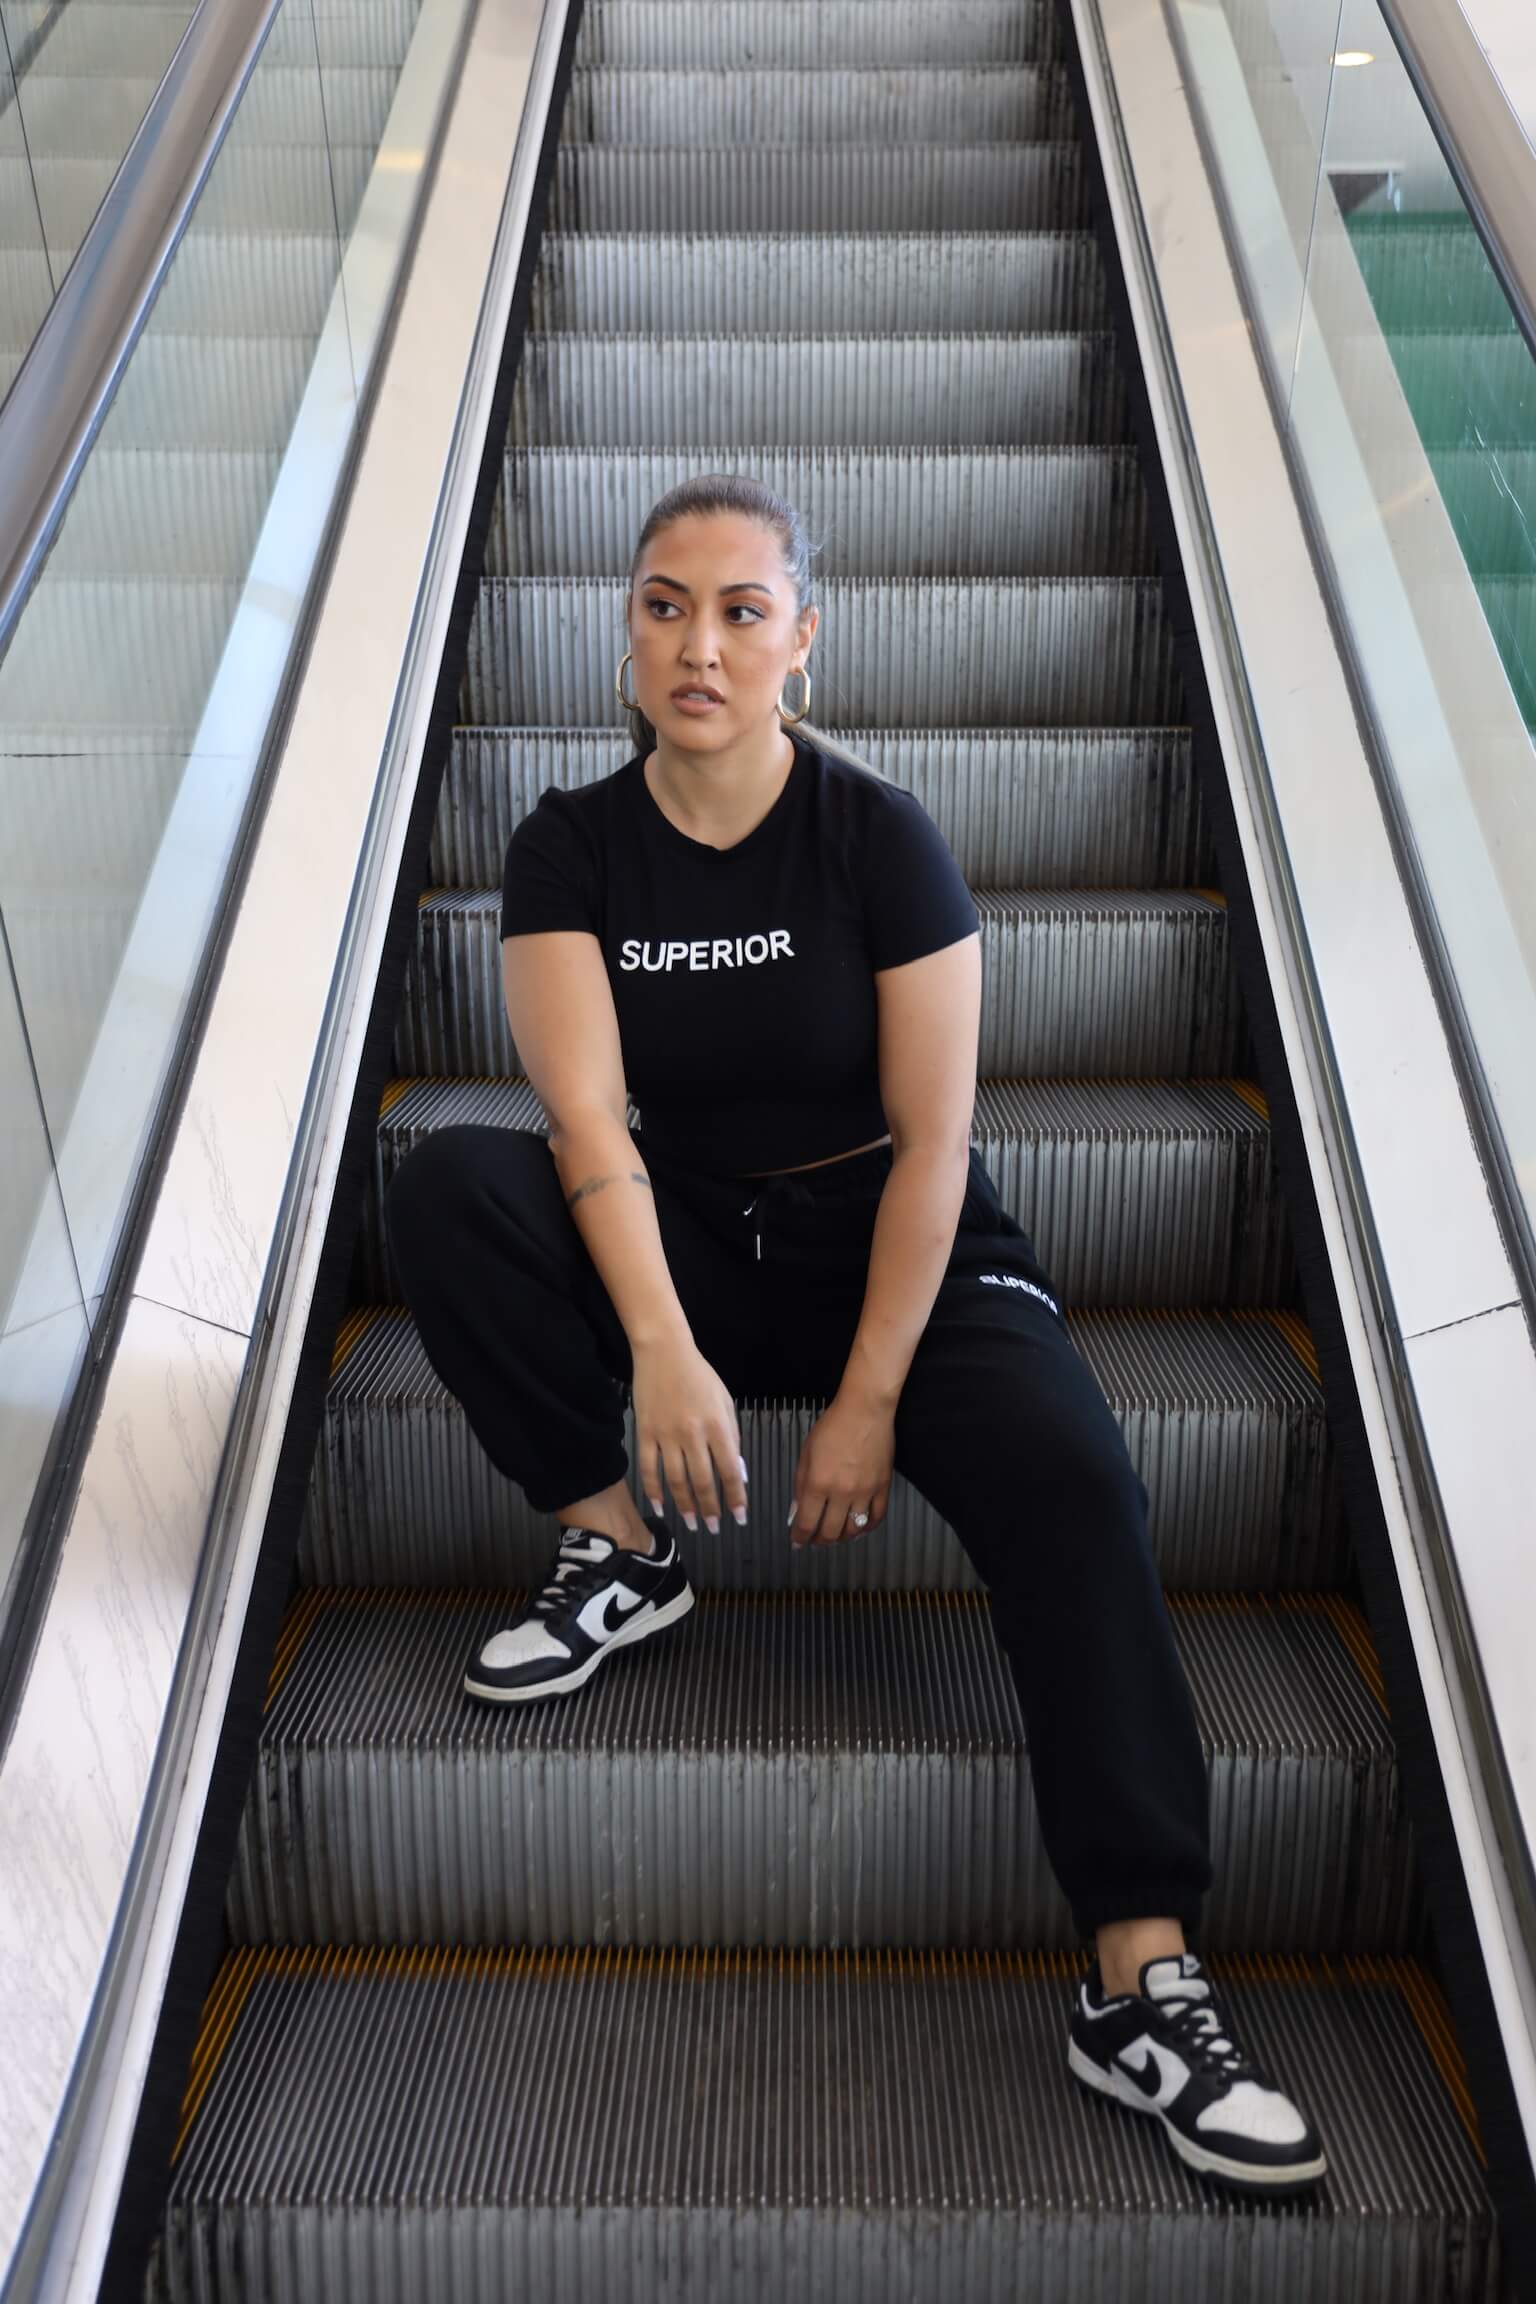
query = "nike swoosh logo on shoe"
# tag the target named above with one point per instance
(598, 1618)
(1148, 2077)
(627, 1612)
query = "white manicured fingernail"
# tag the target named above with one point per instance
(741, 1460)
(794, 1508)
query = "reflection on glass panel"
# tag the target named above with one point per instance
(26, 282)
(1412, 411)
(138, 688)
(86, 74)
(1277, 56)
(136, 694)
(1470, 384)
(1411, 401)
(43, 1332)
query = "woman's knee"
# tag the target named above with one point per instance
(1063, 1462)
(433, 1200)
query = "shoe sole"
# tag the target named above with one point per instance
(1297, 2176)
(640, 1629)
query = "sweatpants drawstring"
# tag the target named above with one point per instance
(778, 1192)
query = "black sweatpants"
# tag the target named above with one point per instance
(1001, 1426)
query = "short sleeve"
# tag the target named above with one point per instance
(549, 879)
(915, 895)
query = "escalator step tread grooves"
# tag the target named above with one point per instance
(747, 2081)
(887, 1727)
(744, 1974)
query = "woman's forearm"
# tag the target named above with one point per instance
(609, 1195)
(915, 1227)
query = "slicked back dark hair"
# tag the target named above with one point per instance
(726, 492)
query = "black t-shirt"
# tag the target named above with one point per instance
(743, 978)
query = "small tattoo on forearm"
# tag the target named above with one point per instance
(596, 1183)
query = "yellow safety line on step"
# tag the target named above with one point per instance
(1433, 2017)
(220, 2011)
(298, 1622)
(1350, 1623)
(1299, 1337)
(393, 1091)
(241, 1969)
(348, 1336)
(1252, 1095)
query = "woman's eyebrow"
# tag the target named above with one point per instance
(744, 586)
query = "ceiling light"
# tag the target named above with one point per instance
(1347, 58)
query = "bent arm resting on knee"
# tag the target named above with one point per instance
(561, 1015)
(929, 1013)
(609, 1195)
(915, 1226)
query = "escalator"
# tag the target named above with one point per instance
(742, 1971)
(132, 617)
(1465, 372)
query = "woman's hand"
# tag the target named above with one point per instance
(845, 1467)
(685, 1421)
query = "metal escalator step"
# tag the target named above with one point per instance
(80, 118)
(1222, 1413)
(789, 1770)
(884, 512)
(1103, 983)
(1472, 386)
(894, 652)
(220, 392)
(26, 291)
(1426, 271)
(105, 38)
(1509, 603)
(298, 187)
(803, 188)
(1018, 807)
(88, 41)
(720, 2128)
(1488, 492)
(817, 283)
(1134, 1192)
(739, 34)
(98, 647)
(166, 512)
(653, 391)
(345, 32)
(112, 786)
(248, 284)
(975, 103)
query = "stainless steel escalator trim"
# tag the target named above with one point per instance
(65, 384)
(104, 1781)
(1407, 1292)
(1478, 130)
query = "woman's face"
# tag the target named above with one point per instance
(713, 607)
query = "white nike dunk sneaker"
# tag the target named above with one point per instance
(1169, 2050)
(599, 1597)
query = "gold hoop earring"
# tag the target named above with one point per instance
(793, 719)
(630, 703)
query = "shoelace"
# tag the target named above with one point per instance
(1195, 2022)
(556, 1595)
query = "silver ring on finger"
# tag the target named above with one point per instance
(861, 1519)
